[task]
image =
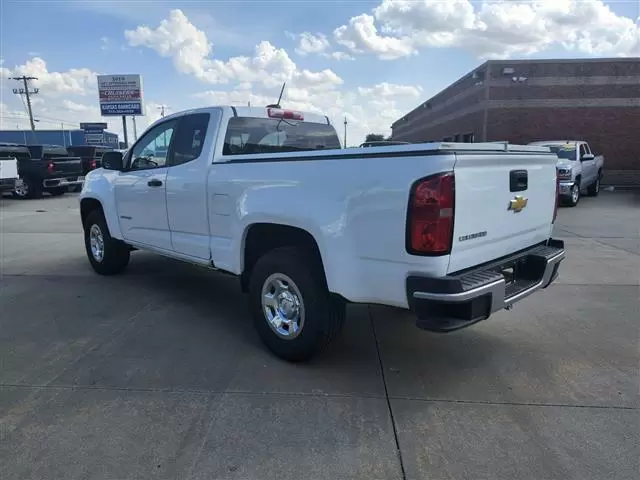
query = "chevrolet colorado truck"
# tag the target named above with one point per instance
(579, 170)
(453, 232)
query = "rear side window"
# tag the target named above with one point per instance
(272, 135)
(190, 137)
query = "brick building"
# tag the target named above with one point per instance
(522, 101)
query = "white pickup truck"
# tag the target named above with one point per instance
(453, 232)
(579, 170)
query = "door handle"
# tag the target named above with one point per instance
(154, 183)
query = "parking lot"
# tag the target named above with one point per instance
(158, 373)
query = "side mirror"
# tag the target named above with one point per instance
(587, 156)
(112, 161)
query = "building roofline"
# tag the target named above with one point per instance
(459, 80)
(566, 60)
(519, 61)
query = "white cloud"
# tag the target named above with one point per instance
(189, 48)
(361, 36)
(64, 98)
(338, 56)
(390, 90)
(499, 28)
(77, 81)
(310, 43)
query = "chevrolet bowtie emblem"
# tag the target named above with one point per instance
(518, 204)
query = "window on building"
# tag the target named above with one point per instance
(447, 139)
(457, 137)
(468, 138)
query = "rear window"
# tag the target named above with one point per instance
(39, 151)
(272, 135)
(82, 151)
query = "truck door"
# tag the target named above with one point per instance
(588, 166)
(140, 191)
(187, 199)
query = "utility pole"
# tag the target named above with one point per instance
(135, 130)
(124, 131)
(25, 91)
(162, 107)
(345, 131)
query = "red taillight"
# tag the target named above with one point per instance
(431, 213)
(286, 114)
(94, 164)
(50, 167)
(555, 205)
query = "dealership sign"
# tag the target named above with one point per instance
(93, 133)
(120, 95)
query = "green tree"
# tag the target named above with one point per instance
(374, 137)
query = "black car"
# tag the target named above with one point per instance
(44, 168)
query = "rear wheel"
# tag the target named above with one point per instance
(293, 311)
(29, 188)
(107, 255)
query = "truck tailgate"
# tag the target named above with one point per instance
(504, 202)
(66, 166)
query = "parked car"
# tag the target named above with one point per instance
(579, 170)
(269, 195)
(44, 168)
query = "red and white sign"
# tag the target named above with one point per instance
(120, 95)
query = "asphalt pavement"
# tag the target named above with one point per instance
(158, 373)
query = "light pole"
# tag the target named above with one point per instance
(345, 131)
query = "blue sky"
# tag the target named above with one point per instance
(432, 44)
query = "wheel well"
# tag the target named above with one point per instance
(87, 206)
(579, 178)
(264, 237)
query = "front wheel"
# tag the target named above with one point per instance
(107, 255)
(293, 311)
(574, 195)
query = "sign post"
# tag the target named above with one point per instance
(121, 95)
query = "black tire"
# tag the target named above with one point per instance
(574, 195)
(594, 188)
(56, 192)
(323, 313)
(115, 254)
(32, 188)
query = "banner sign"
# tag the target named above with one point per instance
(120, 95)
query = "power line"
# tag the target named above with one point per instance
(26, 92)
